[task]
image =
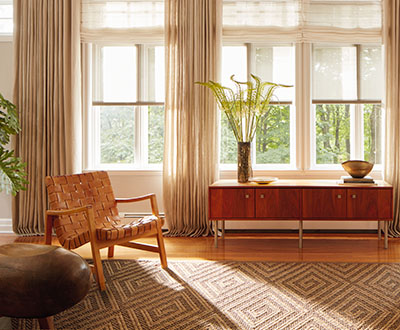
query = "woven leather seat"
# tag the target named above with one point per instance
(83, 209)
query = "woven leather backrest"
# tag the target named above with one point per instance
(71, 191)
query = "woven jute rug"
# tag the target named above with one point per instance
(237, 295)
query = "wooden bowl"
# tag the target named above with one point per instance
(357, 168)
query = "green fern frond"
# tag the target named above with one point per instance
(246, 106)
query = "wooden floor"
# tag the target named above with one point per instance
(261, 247)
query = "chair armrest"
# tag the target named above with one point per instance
(134, 199)
(51, 215)
(68, 211)
(151, 197)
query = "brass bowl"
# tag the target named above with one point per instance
(357, 168)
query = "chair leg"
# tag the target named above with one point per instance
(98, 266)
(48, 229)
(161, 247)
(46, 322)
(111, 251)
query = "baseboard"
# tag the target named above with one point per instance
(6, 226)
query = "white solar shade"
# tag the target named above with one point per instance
(371, 73)
(234, 62)
(276, 64)
(119, 74)
(334, 73)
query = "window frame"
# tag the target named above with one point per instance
(302, 162)
(92, 64)
(304, 122)
(356, 114)
(250, 64)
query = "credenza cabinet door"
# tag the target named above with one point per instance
(362, 203)
(385, 204)
(324, 203)
(232, 203)
(278, 203)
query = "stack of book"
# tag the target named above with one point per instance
(350, 179)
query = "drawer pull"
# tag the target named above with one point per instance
(353, 196)
(262, 196)
(339, 196)
(246, 196)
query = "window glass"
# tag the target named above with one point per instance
(117, 135)
(332, 125)
(228, 151)
(273, 136)
(155, 134)
(373, 133)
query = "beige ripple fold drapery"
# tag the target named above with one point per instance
(391, 40)
(47, 95)
(193, 31)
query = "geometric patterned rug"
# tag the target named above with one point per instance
(237, 295)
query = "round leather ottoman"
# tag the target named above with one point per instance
(38, 281)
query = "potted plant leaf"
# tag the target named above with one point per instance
(245, 108)
(12, 169)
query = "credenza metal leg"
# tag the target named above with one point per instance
(379, 231)
(300, 234)
(216, 233)
(386, 233)
(223, 228)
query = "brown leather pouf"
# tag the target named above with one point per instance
(38, 281)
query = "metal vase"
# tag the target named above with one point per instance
(244, 170)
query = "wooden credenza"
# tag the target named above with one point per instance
(300, 200)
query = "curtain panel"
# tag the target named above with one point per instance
(193, 44)
(47, 95)
(391, 39)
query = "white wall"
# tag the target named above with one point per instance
(131, 184)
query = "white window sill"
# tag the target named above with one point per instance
(299, 174)
(127, 172)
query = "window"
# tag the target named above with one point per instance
(330, 51)
(334, 110)
(273, 144)
(6, 17)
(127, 108)
(347, 116)
(344, 110)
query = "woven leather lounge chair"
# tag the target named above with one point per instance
(83, 209)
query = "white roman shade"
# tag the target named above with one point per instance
(122, 20)
(303, 20)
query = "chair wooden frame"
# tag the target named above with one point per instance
(97, 244)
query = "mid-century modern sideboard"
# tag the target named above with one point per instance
(300, 200)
